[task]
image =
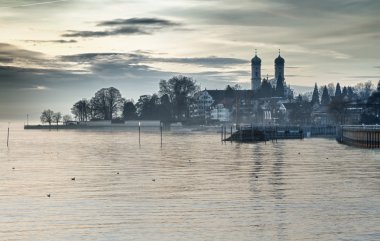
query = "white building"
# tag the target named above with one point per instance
(218, 112)
(202, 105)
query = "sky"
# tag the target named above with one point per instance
(54, 53)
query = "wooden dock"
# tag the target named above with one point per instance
(367, 136)
(250, 133)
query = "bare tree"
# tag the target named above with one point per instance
(47, 116)
(180, 89)
(57, 117)
(331, 89)
(106, 103)
(66, 118)
(82, 110)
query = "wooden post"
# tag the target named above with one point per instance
(161, 132)
(8, 136)
(221, 134)
(139, 132)
(231, 134)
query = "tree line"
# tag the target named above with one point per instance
(171, 103)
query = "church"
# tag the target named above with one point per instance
(279, 75)
(244, 105)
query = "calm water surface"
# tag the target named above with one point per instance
(312, 189)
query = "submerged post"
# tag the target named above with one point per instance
(221, 132)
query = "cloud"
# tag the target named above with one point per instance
(60, 41)
(365, 76)
(32, 4)
(10, 53)
(118, 31)
(139, 57)
(130, 26)
(138, 21)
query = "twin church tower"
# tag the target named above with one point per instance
(279, 64)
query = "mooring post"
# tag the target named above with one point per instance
(161, 132)
(231, 135)
(139, 132)
(8, 135)
(221, 132)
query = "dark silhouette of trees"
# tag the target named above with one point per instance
(229, 92)
(364, 90)
(338, 91)
(325, 99)
(129, 111)
(106, 103)
(165, 109)
(66, 118)
(371, 114)
(147, 107)
(331, 89)
(336, 109)
(47, 116)
(301, 112)
(57, 117)
(315, 96)
(82, 110)
(180, 90)
(344, 92)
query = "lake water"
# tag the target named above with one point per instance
(192, 188)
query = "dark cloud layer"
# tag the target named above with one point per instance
(138, 21)
(60, 41)
(138, 58)
(130, 26)
(118, 31)
(10, 53)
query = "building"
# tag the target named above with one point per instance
(220, 113)
(278, 82)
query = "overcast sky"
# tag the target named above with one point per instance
(53, 53)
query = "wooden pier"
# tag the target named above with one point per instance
(367, 136)
(250, 133)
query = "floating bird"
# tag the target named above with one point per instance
(48, 195)
(73, 179)
(153, 180)
(299, 153)
(13, 168)
(117, 173)
(257, 177)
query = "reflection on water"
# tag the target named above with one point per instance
(313, 189)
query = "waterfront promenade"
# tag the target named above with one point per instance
(367, 136)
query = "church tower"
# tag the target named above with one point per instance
(256, 72)
(279, 65)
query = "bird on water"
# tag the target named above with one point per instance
(48, 195)
(73, 179)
